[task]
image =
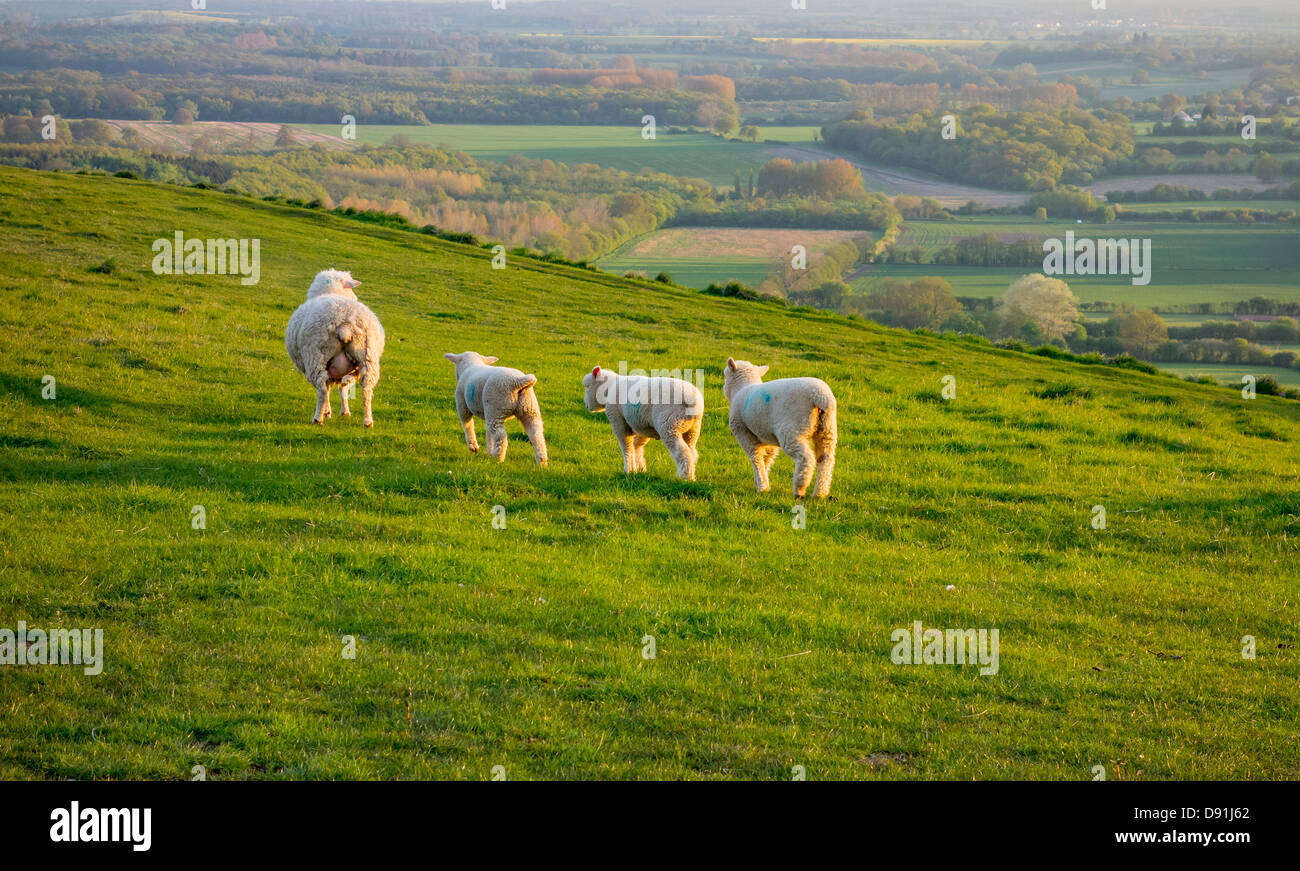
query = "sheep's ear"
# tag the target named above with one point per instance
(731, 364)
(490, 359)
(595, 373)
(762, 370)
(452, 357)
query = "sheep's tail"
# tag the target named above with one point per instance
(356, 351)
(824, 436)
(520, 384)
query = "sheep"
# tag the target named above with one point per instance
(796, 414)
(333, 338)
(496, 394)
(641, 408)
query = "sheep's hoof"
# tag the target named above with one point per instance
(370, 423)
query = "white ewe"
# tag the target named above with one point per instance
(334, 339)
(496, 394)
(641, 408)
(795, 414)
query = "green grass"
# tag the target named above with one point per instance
(1192, 262)
(522, 646)
(1214, 205)
(1231, 373)
(694, 155)
(694, 271)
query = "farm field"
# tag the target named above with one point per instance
(1168, 288)
(1206, 181)
(696, 256)
(1205, 205)
(1192, 263)
(1116, 80)
(693, 155)
(181, 137)
(522, 647)
(1231, 373)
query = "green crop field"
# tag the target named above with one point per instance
(1116, 80)
(1191, 262)
(1208, 205)
(699, 256)
(523, 646)
(1231, 373)
(694, 155)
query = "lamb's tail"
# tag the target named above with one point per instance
(825, 427)
(520, 384)
(824, 436)
(345, 334)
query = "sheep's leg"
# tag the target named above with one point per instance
(323, 410)
(466, 422)
(497, 439)
(369, 376)
(629, 453)
(343, 396)
(532, 425)
(638, 447)
(825, 447)
(682, 455)
(754, 450)
(767, 456)
(802, 454)
(691, 437)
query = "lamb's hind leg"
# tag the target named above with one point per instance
(497, 439)
(532, 425)
(802, 454)
(825, 447)
(682, 454)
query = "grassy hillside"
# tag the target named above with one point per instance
(522, 647)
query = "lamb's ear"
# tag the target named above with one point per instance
(595, 373)
(452, 357)
(762, 370)
(490, 359)
(731, 364)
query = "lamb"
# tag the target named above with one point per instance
(641, 408)
(496, 394)
(334, 339)
(796, 414)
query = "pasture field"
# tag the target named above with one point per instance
(1231, 373)
(693, 155)
(1116, 80)
(1192, 262)
(696, 256)
(523, 646)
(1206, 181)
(1205, 205)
